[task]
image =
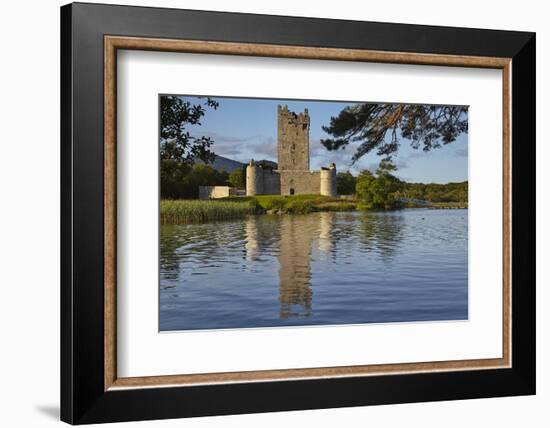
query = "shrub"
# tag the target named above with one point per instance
(378, 192)
(299, 207)
(272, 202)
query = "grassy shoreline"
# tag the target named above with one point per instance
(197, 211)
(186, 211)
(296, 204)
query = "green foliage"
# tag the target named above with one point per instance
(298, 206)
(269, 202)
(179, 149)
(199, 211)
(385, 191)
(380, 191)
(433, 192)
(181, 212)
(174, 179)
(179, 180)
(237, 178)
(381, 127)
(253, 203)
(385, 167)
(364, 189)
(345, 183)
(176, 143)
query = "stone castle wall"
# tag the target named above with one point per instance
(254, 180)
(293, 140)
(261, 181)
(292, 176)
(272, 182)
(300, 182)
(215, 192)
(328, 181)
(267, 182)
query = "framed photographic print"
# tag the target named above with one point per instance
(266, 213)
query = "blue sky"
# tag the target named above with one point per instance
(246, 128)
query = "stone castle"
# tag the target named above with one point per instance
(292, 176)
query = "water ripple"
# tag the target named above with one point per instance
(321, 268)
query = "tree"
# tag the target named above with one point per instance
(179, 150)
(382, 126)
(236, 178)
(434, 192)
(181, 181)
(381, 191)
(205, 175)
(345, 183)
(176, 143)
(364, 188)
(385, 168)
(174, 179)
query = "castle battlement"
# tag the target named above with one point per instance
(293, 175)
(296, 118)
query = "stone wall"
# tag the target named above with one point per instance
(261, 181)
(292, 176)
(254, 180)
(292, 140)
(300, 182)
(215, 192)
(272, 182)
(328, 181)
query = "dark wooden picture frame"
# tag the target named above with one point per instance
(90, 389)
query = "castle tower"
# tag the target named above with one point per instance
(254, 179)
(328, 181)
(293, 140)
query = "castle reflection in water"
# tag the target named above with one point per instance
(297, 238)
(323, 268)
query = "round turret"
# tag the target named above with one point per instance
(328, 181)
(254, 185)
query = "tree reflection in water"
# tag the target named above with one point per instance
(291, 240)
(381, 233)
(315, 269)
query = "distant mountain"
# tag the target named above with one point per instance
(223, 164)
(228, 165)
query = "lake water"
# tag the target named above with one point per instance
(315, 269)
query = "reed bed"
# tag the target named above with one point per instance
(200, 211)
